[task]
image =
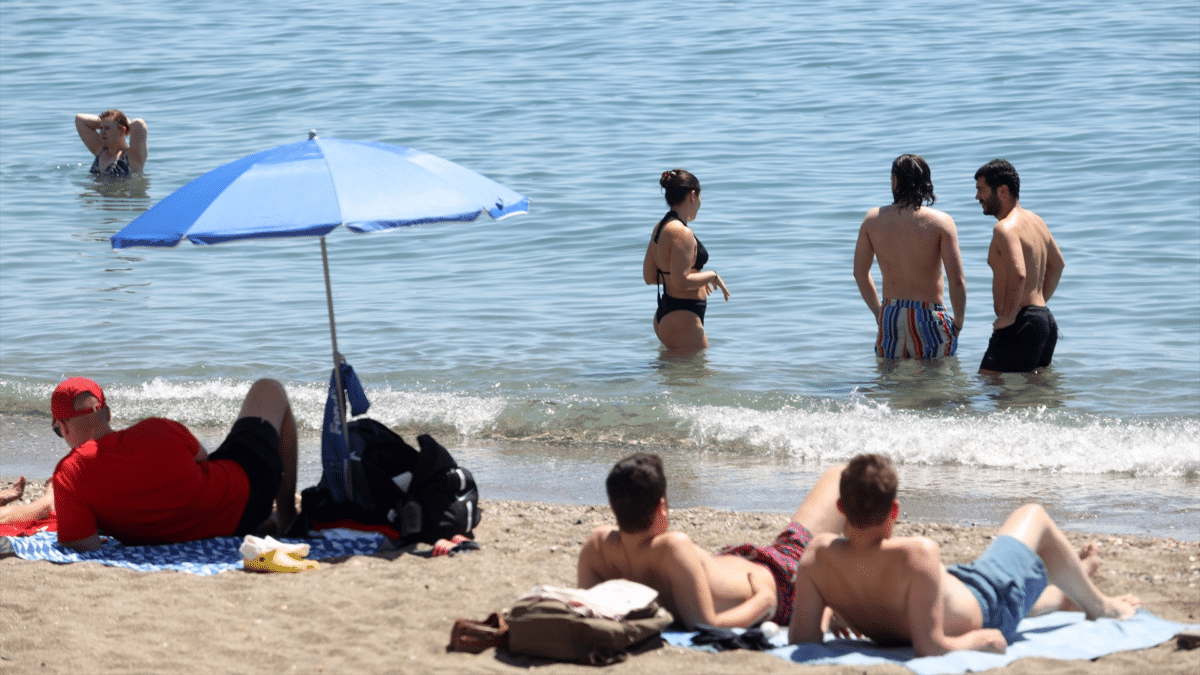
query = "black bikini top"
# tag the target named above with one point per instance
(701, 252)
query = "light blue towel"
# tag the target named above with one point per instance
(1059, 635)
(204, 557)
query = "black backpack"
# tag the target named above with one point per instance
(420, 496)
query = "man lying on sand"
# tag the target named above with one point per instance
(740, 588)
(153, 483)
(896, 590)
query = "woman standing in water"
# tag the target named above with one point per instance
(674, 259)
(105, 137)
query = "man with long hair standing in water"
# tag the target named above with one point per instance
(913, 242)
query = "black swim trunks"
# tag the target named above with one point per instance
(1026, 345)
(254, 444)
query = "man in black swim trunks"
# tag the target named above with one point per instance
(153, 483)
(1026, 266)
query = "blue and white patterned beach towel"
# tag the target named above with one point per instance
(204, 557)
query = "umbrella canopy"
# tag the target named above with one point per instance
(310, 187)
(307, 189)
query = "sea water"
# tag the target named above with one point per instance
(526, 345)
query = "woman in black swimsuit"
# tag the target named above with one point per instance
(105, 137)
(674, 259)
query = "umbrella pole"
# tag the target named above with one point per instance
(337, 358)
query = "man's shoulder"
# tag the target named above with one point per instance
(158, 427)
(602, 532)
(915, 551)
(672, 539)
(941, 217)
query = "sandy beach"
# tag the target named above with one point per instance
(392, 612)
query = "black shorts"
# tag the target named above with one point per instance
(254, 444)
(1026, 345)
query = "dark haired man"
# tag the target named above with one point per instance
(153, 483)
(913, 242)
(1026, 266)
(741, 587)
(895, 590)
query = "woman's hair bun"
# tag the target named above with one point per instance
(677, 184)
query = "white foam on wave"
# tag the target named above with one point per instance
(1027, 440)
(217, 402)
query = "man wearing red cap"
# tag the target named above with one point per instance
(153, 483)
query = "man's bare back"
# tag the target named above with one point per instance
(912, 246)
(1026, 264)
(693, 584)
(913, 243)
(873, 589)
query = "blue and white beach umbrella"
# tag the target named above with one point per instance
(307, 189)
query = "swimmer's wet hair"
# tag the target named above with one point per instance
(914, 182)
(115, 115)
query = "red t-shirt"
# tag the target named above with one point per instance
(143, 485)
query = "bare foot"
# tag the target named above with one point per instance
(1121, 607)
(1089, 555)
(13, 493)
(447, 546)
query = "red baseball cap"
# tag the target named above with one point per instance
(62, 401)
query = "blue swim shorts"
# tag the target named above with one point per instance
(1006, 580)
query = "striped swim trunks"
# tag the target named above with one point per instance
(915, 330)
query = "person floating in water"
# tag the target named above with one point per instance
(913, 242)
(675, 259)
(118, 145)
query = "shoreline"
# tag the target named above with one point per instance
(1117, 504)
(393, 612)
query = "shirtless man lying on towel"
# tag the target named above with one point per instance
(895, 590)
(742, 587)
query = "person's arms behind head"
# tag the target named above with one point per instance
(139, 150)
(87, 125)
